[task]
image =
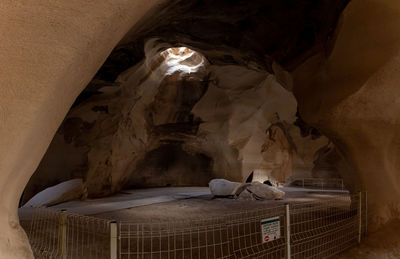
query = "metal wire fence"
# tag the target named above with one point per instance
(57, 234)
(43, 233)
(318, 183)
(316, 229)
(323, 229)
(237, 235)
(87, 237)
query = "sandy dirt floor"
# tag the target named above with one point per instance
(188, 204)
(382, 244)
(183, 203)
(207, 206)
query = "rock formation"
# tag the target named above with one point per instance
(341, 67)
(65, 191)
(155, 127)
(350, 96)
(326, 162)
(51, 50)
(278, 153)
(223, 188)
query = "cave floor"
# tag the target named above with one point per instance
(183, 203)
(174, 203)
(204, 205)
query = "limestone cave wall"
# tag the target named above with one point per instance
(341, 67)
(160, 124)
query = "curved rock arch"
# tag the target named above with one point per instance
(48, 41)
(45, 43)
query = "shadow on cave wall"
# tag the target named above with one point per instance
(171, 165)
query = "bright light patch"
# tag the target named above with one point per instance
(183, 60)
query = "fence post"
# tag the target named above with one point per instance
(113, 240)
(287, 231)
(366, 213)
(359, 216)
(62, 234)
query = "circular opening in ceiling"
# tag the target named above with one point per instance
(183, 60)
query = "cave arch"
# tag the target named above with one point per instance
(179, 105)
(44, 53)
(46, 43)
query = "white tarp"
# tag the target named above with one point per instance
(65, 191)
(265, 192)
(247, 191)
(222, 187)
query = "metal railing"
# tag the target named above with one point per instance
(58, 234)
(319, 183)
(324, 229)
(217, 237)
(317, 229)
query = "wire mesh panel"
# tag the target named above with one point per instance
(246, 236)
(57, 234)
(319, 183)
(87, 237)
(364, 213)
(43, 233)
(234, 236)
(178, 239)
(318, 229)
(324, 229)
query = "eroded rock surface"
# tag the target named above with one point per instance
(346, 88)
(176, 120)
(351, 96)
(327, 162)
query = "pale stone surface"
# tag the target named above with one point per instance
(50, 49)
(265, 192)
(63, 192)
(126, 134)
(246, 191)
(327, 162)
(53, 48)
(160, 115)
(278, 153)
(305, 153)
(223, 187)
(245, 108)
(246, 195)
(351, 96)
